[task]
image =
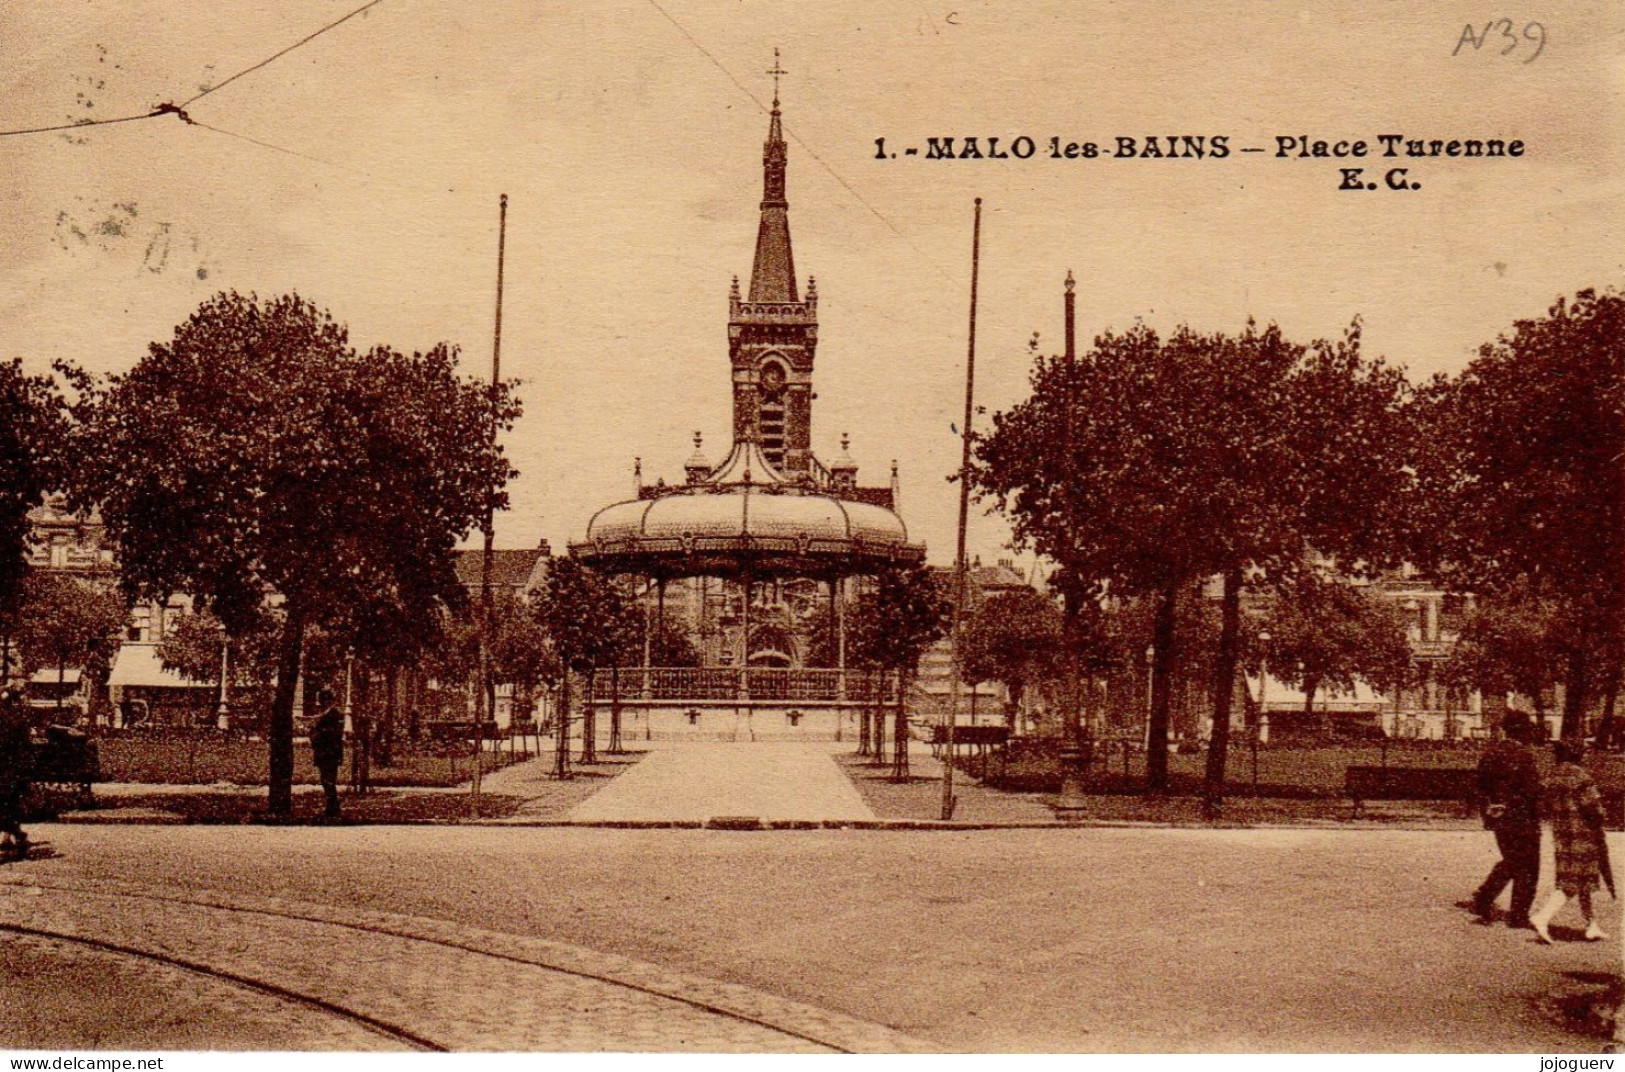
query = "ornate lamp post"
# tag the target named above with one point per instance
(349, 670)
(222, 713)
(1261, 728)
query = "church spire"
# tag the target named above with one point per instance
(773, 279)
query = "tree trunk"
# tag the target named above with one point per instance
(561, 730)
(279, 728)
(1224, 690)
(1071, 705)
(1576, 683)
(1607, 729)
(589, 720)
(414, 704)
(1162, 667)
(877, 721)
(1012, 707)
(899, 772)
(386, 731)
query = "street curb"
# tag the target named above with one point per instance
(107, 818)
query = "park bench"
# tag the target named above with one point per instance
(1361, 784)
(982, 738)
(66, 761)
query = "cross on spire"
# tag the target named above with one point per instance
(777, 71)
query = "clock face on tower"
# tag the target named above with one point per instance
(772, 377)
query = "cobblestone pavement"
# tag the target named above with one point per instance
(62, 995)
(700, 780)
(1057, 939)
(364, 980)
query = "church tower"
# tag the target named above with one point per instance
(772, 333)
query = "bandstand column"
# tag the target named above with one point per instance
(744, 640)
(648, 646)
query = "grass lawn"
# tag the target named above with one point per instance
(210, 760)
(1299, 772)
(229, 806)
(522, 792)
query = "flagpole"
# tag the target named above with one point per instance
(964, 518)
(486, 614)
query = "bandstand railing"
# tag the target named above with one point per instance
(712, 684)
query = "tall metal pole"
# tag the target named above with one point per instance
(964, 519)
(486, 612)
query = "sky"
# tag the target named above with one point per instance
(363, 168)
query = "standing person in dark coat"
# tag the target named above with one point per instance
(1573, 806)
(327, 748)
(1509, 780)
(16, 764)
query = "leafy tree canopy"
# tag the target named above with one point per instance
(1328, 634)
(1524, 473)
(66, 622)
(35, 455)
(192, 642)
(892, 625)
(589, 618)
(257, 457)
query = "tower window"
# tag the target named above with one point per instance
(770, 413)
(771, 426)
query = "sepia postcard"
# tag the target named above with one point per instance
(1020, 526)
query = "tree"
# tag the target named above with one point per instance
(256, 458)
(191, 647)
(35, 443)
(893, 625)
(1515, 641)
(68, 622)
(670, 643)
(1012, 638)
(1525, 470)
(591, 623)
(522, 654)
(1328, 634)
(1194, 457)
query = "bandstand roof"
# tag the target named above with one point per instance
(746, 517)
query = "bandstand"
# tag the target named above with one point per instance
(746, 549)
(753, 548)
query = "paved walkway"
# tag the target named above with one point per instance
(695, 780)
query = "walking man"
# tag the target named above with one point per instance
(327, 748)
(1509, 781)
(16, 764)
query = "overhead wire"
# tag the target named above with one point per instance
(179, 110)
(281, 149)
(278, 55)
(81, 124)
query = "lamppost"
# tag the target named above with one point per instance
(222, 712)
(1263, 734)
(1261, 728)
(1150, 675)
(349, 667)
